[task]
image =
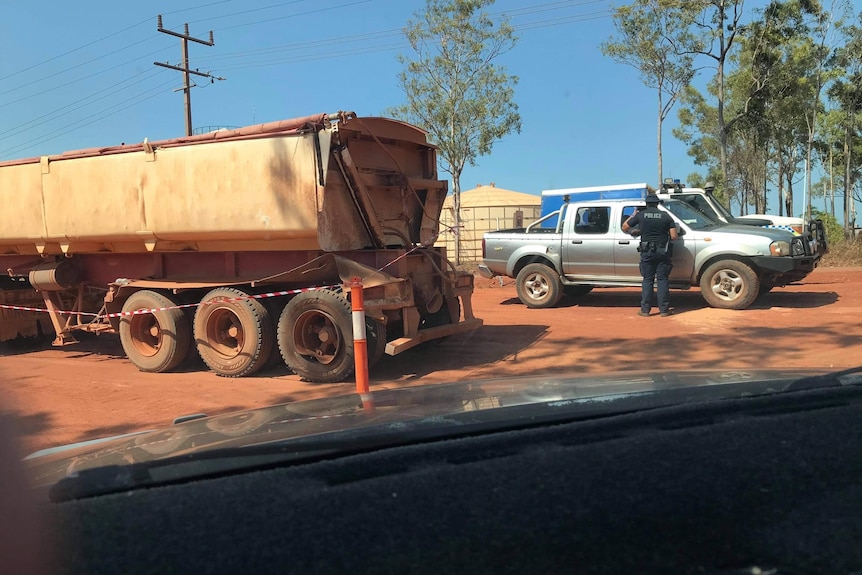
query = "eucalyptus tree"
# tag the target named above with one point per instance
(455, 89)
(776, 54)
(650, 38)
(846, 93)
(715, 26)
(823, 24)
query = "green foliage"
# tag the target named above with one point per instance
(834, 229)
(648, 39)
(695, 180)
(698, 125)
(454, 89)
(765, 113)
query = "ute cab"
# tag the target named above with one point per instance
(704, 200)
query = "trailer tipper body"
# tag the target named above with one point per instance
(242, 240)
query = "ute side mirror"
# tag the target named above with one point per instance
(679, 231)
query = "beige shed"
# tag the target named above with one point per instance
(485, 209)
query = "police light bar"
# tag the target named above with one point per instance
(673, 184)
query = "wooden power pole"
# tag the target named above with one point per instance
(187, 87)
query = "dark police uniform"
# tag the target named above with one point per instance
(656, 250)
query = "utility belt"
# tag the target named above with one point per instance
(653, 247)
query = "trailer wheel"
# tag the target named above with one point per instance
(234, 338)
(154, 342)
(539, 286)
(315, 336)
(375, 335)
(729, 284)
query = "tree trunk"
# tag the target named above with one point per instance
(848, 190)
(809, 194)
(780, 189)
(788, 199)
(831, 185)
(456, 202)
(722, 132)
(658, 143)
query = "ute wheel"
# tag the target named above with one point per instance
(315, 336)
(234, 338)
(577, 291)
(539, 286)
(729, 284)
(158, 341)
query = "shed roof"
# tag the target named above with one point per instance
(492, 196)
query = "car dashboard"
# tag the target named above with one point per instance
(768, 483)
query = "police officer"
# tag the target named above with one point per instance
(657, 230)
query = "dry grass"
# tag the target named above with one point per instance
(844, 253)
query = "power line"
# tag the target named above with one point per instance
(249, 11)
(328, 42)
(187, 88)
(313, 57)
(103, 38)
(223, 62)
(297, 14)
(311, 44)
(82, 78)
(51, 115)
(96, 117)
(394, 46)
(518, 11)
(68, 52)
(399, 31)
(70, 68)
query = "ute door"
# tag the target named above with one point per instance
(684, 250)
(588, 243)
(626, 256)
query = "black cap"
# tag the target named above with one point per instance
(653, 199)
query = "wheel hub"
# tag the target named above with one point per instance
(224, 332)
(537, 287)
(146, 334)
(727, 285)
(316, 335)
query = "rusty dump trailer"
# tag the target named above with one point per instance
(199, 225)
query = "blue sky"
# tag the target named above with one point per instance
(80, 74)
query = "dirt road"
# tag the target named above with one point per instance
(91, 390)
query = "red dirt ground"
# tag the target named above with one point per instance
(61, 395)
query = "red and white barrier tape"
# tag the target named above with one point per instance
(157, 309)
(188, 305)
(24, 308)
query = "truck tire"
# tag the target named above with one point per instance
(539, 286)
(315, 336)
(234, 338)
(729, 284)
(375, 335)
(154, 342)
